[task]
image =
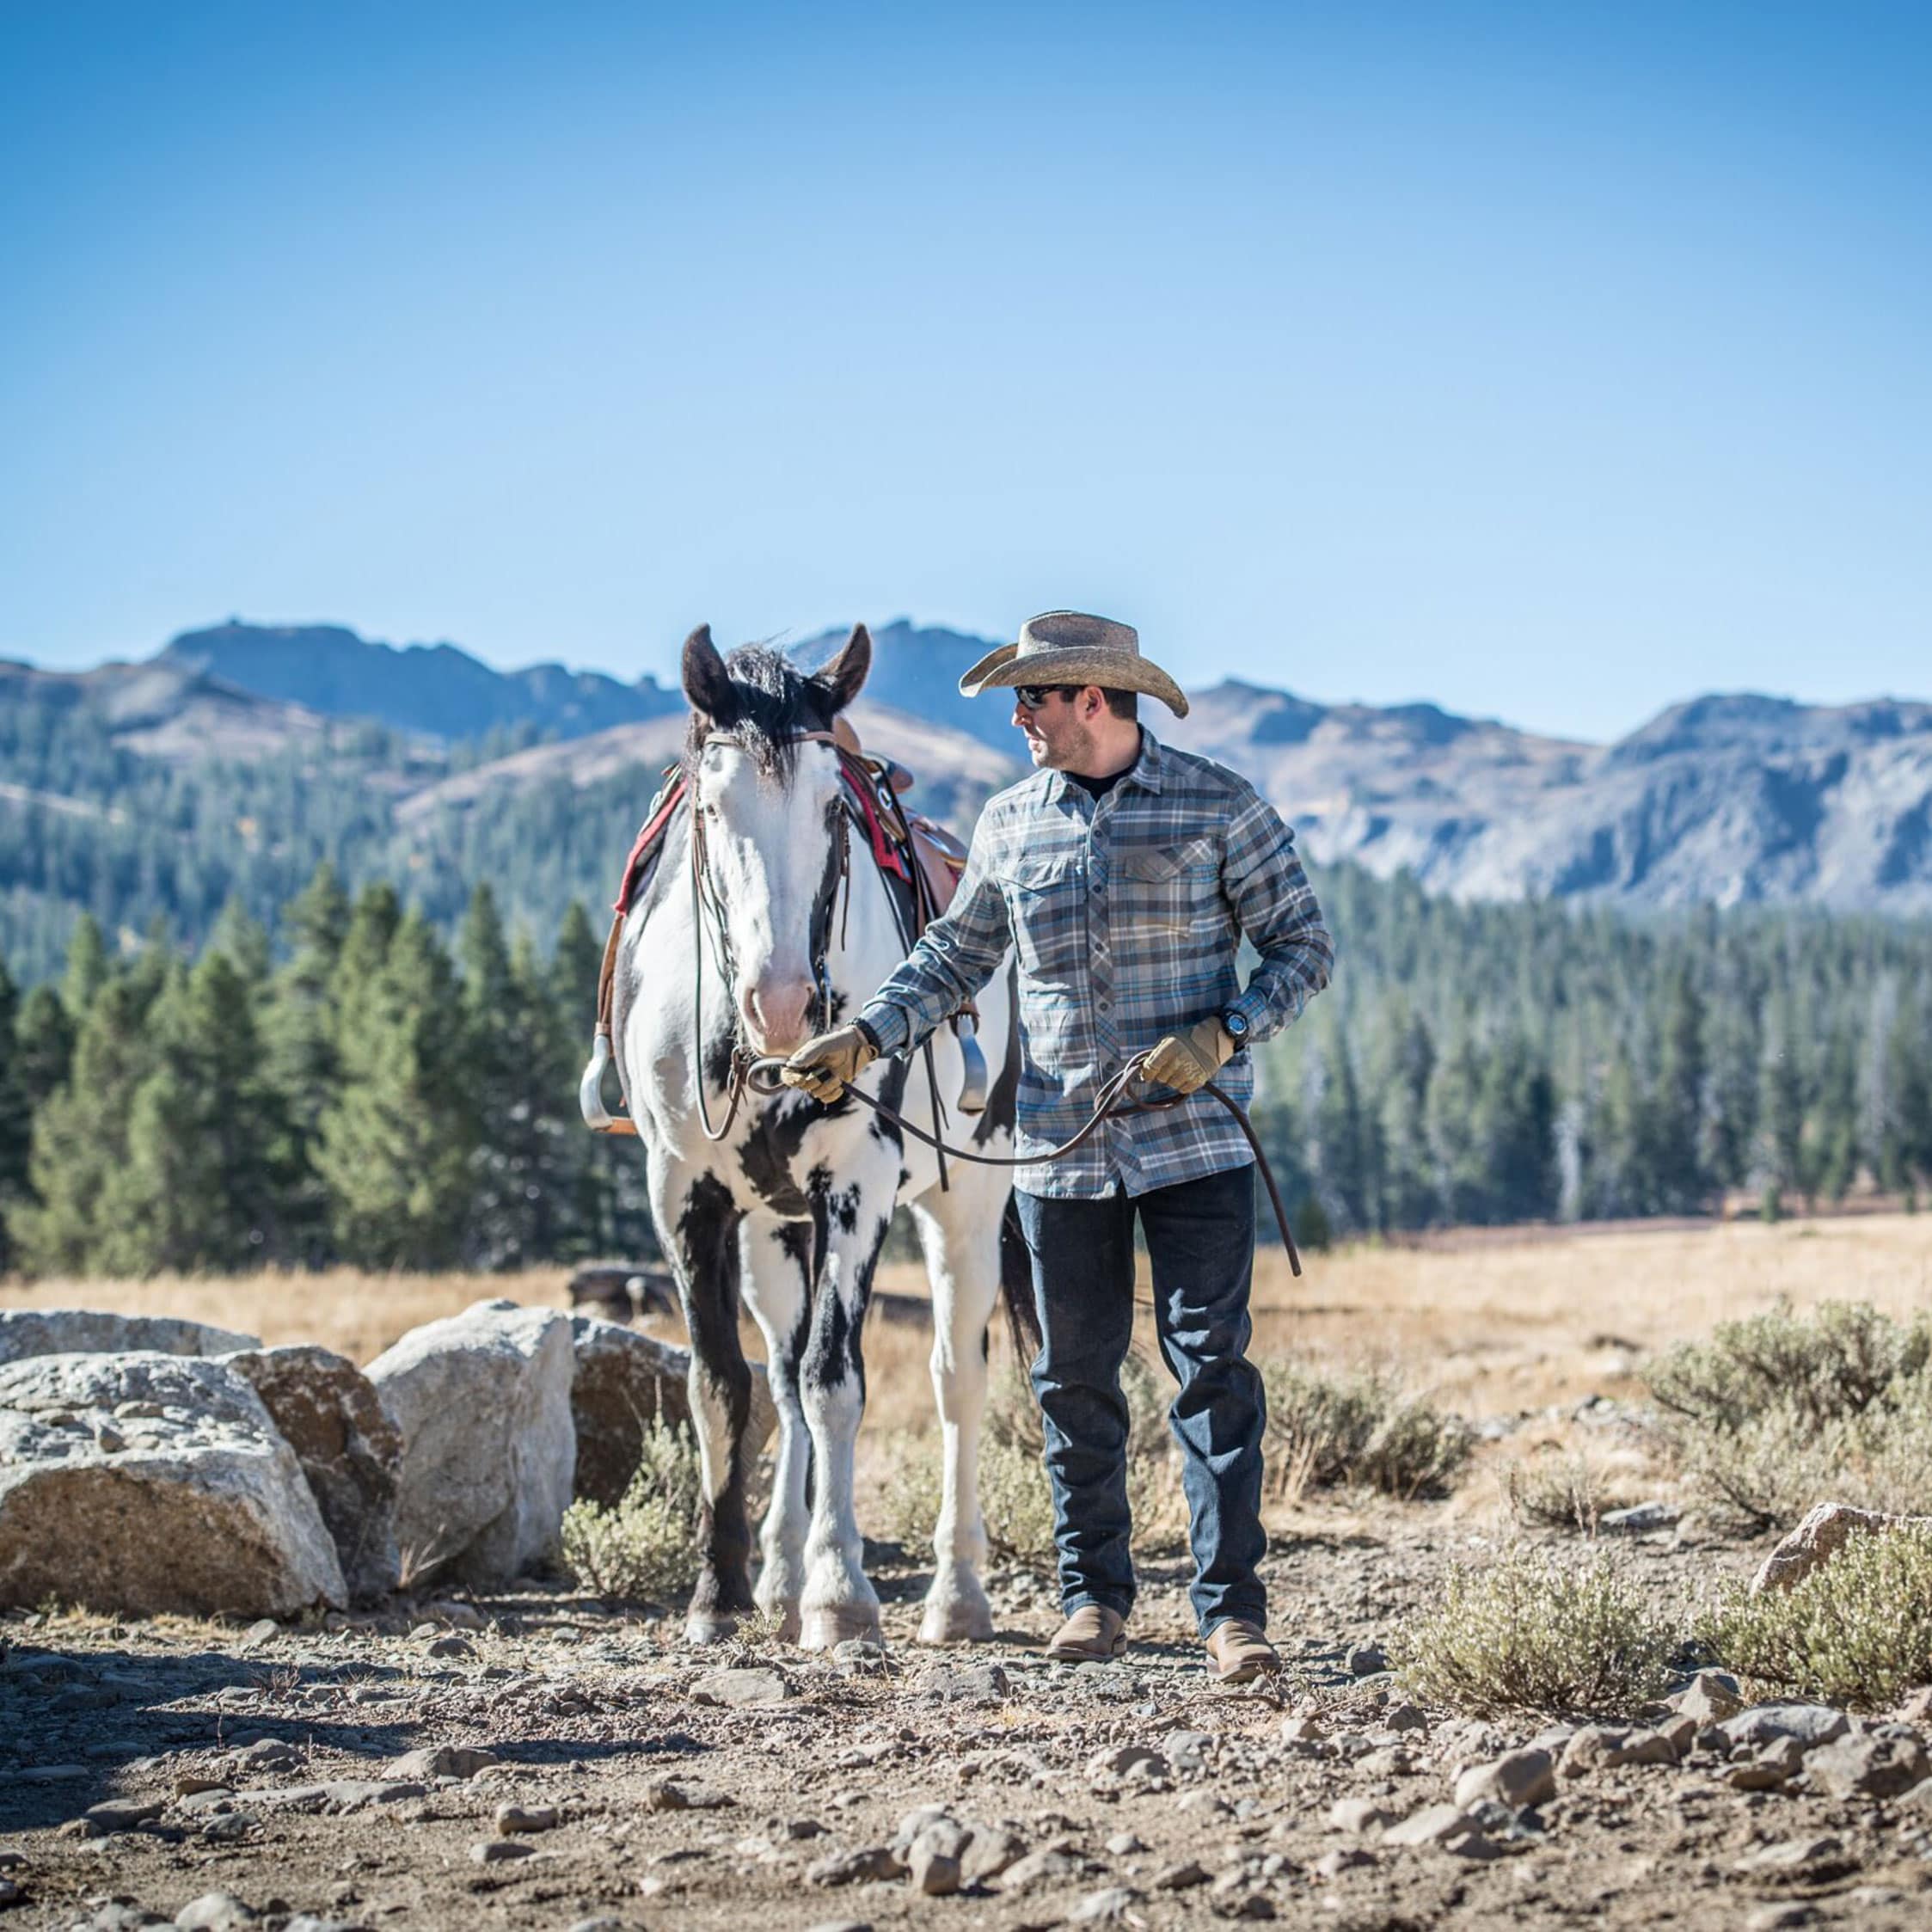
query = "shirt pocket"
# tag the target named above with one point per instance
(1046, 899)
(1170, 893)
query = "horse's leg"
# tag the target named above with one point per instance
(959, 1231)
(777, 1257)
(695, 1209)
(839, 1600)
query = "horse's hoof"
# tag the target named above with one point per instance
(838, 1623)
(710, 1627)
(956, 1623)
(785, 1617)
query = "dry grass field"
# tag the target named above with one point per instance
(1488, 1324)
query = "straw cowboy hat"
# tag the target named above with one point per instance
(1070, 647)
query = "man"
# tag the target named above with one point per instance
(1125, 875)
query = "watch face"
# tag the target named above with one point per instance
(1237, 1024)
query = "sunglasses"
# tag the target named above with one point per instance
(1033, 697)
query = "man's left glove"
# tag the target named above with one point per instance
(1186, 1062)
(824, 1066)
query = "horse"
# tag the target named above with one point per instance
(778, 926)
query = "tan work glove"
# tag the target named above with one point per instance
(1186, 1062)
(823, 1066)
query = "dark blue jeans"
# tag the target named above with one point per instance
(1200, 1242)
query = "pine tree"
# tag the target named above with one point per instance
(16, 1113)
(87, 968)
(243, 939)
(496, 1046)
(1674, 1159)
(396, 1139)
(44, 1043)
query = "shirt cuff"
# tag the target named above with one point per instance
(887, 1024)
(1254, 1009)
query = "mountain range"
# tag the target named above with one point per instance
(1726, 798)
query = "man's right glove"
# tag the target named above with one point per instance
(823, 1066)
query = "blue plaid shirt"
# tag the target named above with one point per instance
(1127, 913)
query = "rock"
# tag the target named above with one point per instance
(523, 1820)
(210, 1516)
(1641, 1519)
(1709, 1698)
(935, 1862)
(1812, 1725)
(1300, 1731)
(27, 1332)
(1343, 1858)
(489, 1449)
(457, 1615)
(1868, 1767)
(991, 1850)
(1775, 1764)
(1680, 1733)
(442, 1760)
(1118, 1760)
(499, 1851)
(124, 1814)
(1792, 1855)
(1359, 1815)
(1780, 1918)
(1434, 1825)
(683, 1794)
(1366, 1660)
(1517, 1779)
(855, 1867)
(739, 1688)
(1819, 1537)
(351, 1454)
(215, 1912)
(1182, 1877)
(1605, 1747)
(962, 1683)
(451, 1645)
(1037, 1867)
(1115, 1901)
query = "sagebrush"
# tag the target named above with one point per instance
(1781, 1410)
(1560, 1492)
(1327, 1431)
(644, 1549)
(1535, 1632)
(1855, 1631)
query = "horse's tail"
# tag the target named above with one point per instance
(1016, 1286)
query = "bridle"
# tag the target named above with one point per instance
(705, 898)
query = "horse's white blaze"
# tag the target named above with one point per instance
(769, 846)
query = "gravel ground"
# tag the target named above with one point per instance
(532, 1761)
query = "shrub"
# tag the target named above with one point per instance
(645, 1549)
(1324, 1431)
(1776, 1412)
(1532, 1634)
(1857, 1630)
(1558, 1493)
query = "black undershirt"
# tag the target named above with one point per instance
(1099, 788)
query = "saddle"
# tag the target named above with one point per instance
(921, 863)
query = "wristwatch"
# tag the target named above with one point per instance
(1233, 1022)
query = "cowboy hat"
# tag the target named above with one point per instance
(1070, 647)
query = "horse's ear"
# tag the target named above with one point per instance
(843, 676)
(707, 682)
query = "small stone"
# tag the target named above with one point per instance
(1600, 1747)
(1050, 1861)
(215, 1912)
(738, 1689)
(1710, 1697)
(1343, 1858)
(1125, 1844)
(124, 1814)
(1366, 1660)
(457, 1615)
(1119, 1760)
(1640, 1520)
(1182, 1877)
(855, 1867)
(1792, 1855)
(1300, 1731)
(442, 1760)
(451, 1645)
(511, 1821)
(188, 1781)
(499, 1851)
(681, 1794)
(1116, 1901)
(965, 1683)
(268, 1754)
(1772, 1765)
(1434, 1825)
(1517, 1779)
(1780, 1917)
(1359, 1815)
(1812, 1725)
(230, 1828)
(1868, 1767)
(257, 1634)
(1404, 1717)
(934, 1863)
(993, 1850)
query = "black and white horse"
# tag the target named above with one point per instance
(788, 1210)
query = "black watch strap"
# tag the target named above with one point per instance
(871, 1038)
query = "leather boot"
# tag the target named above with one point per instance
(1092, 1635)
(1239, 1652)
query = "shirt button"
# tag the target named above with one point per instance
(1104, 1003)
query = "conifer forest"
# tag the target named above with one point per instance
(356, 1084)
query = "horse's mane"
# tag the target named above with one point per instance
(772, 701)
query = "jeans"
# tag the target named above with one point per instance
(1200, 1242)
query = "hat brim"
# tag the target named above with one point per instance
(1073, 664)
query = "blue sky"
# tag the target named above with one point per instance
(1551, 362)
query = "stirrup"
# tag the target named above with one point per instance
(972, 1072)
(590, 1094)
